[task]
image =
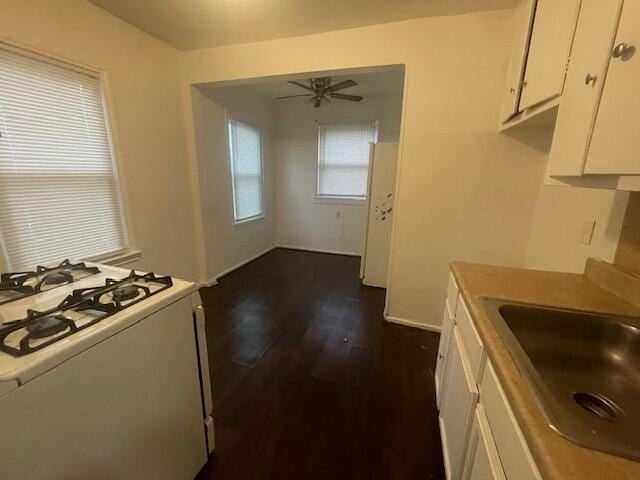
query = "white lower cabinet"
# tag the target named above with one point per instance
(445, 342)
(481, 438)
(483, 460)
(458, 406)
(512, 447)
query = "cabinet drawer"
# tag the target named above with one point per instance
(471, 340)
(452, 295)
(483, 461)
(512, 448)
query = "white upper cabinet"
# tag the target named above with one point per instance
(595, 33)
(551, 38)
(519, 49)
(539, 55)
(615, 145)
(597, 139)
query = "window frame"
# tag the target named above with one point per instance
(126, 254)
(239, 222)
(340, 199)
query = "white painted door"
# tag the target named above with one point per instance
(519, 48)
(551, 39)
(616, 141)
(483, 461)
(458, 405)
(595, 33)
(380, 198)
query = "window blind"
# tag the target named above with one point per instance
(58, 193)
(246, 170)
(343, 158)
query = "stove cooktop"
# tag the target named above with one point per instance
(38, 328)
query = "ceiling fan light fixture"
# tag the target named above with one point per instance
(322, 90)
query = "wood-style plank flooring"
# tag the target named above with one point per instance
(309, 382)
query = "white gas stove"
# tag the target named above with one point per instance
(103, 373)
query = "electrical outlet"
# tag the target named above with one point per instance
(586, 231)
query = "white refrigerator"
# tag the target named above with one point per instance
(381, 184)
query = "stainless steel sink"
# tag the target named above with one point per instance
(583, 368)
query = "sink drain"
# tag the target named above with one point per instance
(597, 405)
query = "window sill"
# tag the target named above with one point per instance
(356, 201)
(247, 221)
(117, 259)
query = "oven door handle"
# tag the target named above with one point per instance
(203, 360)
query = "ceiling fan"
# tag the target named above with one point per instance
(322, 90)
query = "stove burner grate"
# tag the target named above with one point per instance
(18, 285)
(46, 326)
(57, 278)
(128, 292)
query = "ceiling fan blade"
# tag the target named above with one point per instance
(342, 85)
(342, 96)
(301, 85)
(293, 96)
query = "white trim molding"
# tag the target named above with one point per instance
(355, 201)
(243, 263)
(117, 259)
(207, 283)
(413, 323)
(318, 250)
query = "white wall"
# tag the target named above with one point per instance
(303, 222)
(226, 244)
(554, 243)
(142, 80)
(464, 191)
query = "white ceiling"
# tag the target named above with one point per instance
(193, 24)
(369, 84)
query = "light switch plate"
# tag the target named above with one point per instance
(586, 231)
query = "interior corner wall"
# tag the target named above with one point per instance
(227, 244)
(303, 222)
(142, 80)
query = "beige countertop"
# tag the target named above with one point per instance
(556, 457)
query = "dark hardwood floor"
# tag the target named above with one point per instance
(309, 382)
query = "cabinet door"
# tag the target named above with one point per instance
(441, 363)
(483, 461)
(458, 404)
(551, 39)
(515, 456)
(519, 48)
(616, 136)
(595, 33)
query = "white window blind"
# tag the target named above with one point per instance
(58, 192)
(343, 158)
(246, 170)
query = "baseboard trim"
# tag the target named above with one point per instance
(412, 323)
(208, 283)
(319, 250)
(244, 262)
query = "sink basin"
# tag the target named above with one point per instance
(583, 369)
